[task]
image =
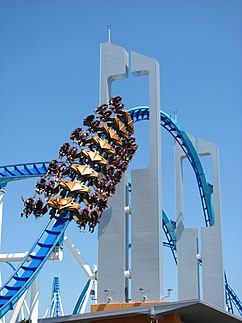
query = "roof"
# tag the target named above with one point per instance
(194, 311)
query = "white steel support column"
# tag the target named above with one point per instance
(212, 249)
(34, 300)
(77, 255)
(84, 305)
(18, 307)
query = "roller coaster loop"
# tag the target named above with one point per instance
(24, 276)
(205, 189)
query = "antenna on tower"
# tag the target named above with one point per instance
(175, 115)
(109, 33)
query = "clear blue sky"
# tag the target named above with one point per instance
(49, 81)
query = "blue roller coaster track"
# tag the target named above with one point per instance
(81, 298)
(167, 122)
(21, 171)
(25, 274)
(55, 298)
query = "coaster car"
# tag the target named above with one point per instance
(104, 145)
(63, 204)
(128, 121)
(112, 135)
(119, 125)
(84, 170)
(75, 187)
(94, 157)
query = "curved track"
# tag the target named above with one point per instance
(25, 274)
(81, 298)
(167, 122)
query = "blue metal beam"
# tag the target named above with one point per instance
(18, 172)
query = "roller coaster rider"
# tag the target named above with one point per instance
(87, 121)
(83, 138)
(52, 169)
(38, 208)
(94, 126)
(102, 202)
(101, 109)
(98, 184)
(60, 172)
(29, 206)
(50, 189)
(106, 115)
(84, 218)
(115, 101)
(71, 154)
(118, 109)
(89, 199)
(110, 171)
(40, 186)
(64, 149)
(76, 134)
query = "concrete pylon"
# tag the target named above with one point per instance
(186, 238)
(112, 239)
(146, 264)
(211, 251)
(146, 235)
(211, 237)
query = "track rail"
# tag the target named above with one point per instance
(231, 297)
(55, 298)
(21, 171)
(169, 227)
(81, 298)
(25, 274)
(167, 122)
